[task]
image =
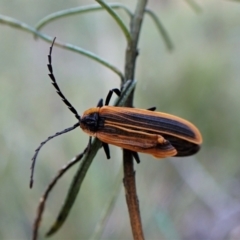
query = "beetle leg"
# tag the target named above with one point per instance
(100, 103)
(106, 149)
(89, 143)
(108, 98)
(135, 156)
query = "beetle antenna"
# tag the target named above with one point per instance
(40, 146)
(54, 83)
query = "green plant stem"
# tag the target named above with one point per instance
(116, 18)
(78, 10)
(23, 26)
(93, 7)
(128, 166)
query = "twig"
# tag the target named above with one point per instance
(129, 174)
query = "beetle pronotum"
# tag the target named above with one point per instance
(138, 130)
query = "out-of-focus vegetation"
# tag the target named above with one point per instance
(180, 198)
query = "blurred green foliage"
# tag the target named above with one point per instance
(188, 198)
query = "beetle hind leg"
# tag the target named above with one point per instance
(135, 156)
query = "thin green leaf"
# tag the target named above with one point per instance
(49, 188)
(161, 29)
(116, 18)
(23, 26)
(75, 186)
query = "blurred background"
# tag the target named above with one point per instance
(180, 198)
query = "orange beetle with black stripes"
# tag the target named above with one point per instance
(138, 130)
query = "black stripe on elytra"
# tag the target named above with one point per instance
(152, 124)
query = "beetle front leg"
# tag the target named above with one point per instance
(108, 98)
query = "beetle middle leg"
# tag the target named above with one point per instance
(106, 149)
